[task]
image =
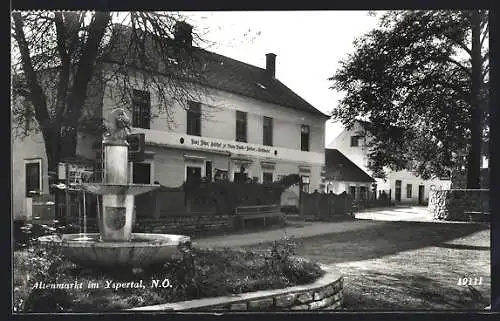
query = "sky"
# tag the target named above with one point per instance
(309, 46)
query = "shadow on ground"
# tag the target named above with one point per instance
(394, 291)
(464, 247)
(381, 239)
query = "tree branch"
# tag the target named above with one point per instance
(485, 71)
(36, 94)
(63, 83)
(85, 68)
(483, 35)
(458, 64)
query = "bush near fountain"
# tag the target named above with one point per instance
(197, 274)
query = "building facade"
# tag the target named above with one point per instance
(248, 126)
(402, 186)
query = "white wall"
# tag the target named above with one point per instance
(30, 148)
(218, 125)
(219, 119)
(343, 186)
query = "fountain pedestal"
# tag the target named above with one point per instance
(115, 245)
(115, 222)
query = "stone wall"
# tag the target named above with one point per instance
(324, 294)
(192, 225)
(451, 205)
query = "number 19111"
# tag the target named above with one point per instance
(470, 281)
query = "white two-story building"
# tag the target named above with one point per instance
(403, 186)
(248, 123)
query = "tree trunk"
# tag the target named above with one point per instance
(474, 157)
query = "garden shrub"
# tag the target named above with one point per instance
(198, 273)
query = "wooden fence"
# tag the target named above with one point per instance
(326, 206)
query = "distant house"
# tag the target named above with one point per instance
(403, 186)
(342, 175)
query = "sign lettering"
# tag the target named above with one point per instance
(228, 147)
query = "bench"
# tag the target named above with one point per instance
(476, 216)
(244, 213)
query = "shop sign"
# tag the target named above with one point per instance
(230, 147)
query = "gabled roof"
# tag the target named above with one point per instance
(227, 74)
(340, 168)
(231, 75)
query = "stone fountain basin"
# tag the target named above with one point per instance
(143, 250)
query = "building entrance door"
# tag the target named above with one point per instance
(397, 194)
(193, 173)
(421, 193)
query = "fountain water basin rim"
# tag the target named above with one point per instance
(93, 240)
(141, 251)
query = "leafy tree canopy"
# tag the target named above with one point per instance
(420, 81)
(61, 62)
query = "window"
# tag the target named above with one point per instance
(268, 131)
(194, 119)
(240, 177)
(141, 173)
(220, 175)
(352, 191)
(267, 177)
(241, 126)
(354, 141)
(33, 176)
(304, 138)
(408, 190)
(362, 193)
(141, 109)
(305, 184)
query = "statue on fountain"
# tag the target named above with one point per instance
(117, 128)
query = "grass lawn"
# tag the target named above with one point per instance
(408, 265)
(202, 273)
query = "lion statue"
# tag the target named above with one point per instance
(118, 127)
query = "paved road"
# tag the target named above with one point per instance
(364, 219)
(303, 230)
(398, 213)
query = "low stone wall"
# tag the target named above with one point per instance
(452, 204)
(324, 294)
(192, 225)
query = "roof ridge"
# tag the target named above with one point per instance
(238, 77)
(230, 58)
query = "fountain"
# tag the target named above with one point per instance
(115, 245)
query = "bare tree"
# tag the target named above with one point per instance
(62, 61)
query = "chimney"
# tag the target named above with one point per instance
(271, 64)
(183, 33)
